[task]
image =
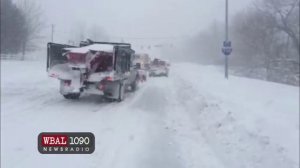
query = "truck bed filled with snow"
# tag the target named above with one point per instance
(192, 119)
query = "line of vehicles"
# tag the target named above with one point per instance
(103, 68)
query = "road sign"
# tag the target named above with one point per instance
(227, 44)
(227, 50)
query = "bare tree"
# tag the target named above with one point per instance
(285, 14)
(33, 23)
(255, 38)
(262, 35)
(265, 38)
(12, 26)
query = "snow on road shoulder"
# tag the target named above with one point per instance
(263, 111)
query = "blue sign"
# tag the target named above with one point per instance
(227, 44)
(226, 50)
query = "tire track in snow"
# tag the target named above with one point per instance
(141, 139)
(194, 150)
(159, 149)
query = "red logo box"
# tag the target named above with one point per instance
(66, 143)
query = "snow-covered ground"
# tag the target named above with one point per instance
(193, 119)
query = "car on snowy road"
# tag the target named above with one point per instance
(159, 67)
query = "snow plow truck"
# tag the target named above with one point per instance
(101, 68)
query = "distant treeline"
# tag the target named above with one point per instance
(20, 26)
(265, 39)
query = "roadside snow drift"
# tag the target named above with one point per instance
(194, 119)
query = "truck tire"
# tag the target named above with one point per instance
(72, 96)
(121, 92)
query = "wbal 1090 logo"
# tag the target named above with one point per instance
(66, 143)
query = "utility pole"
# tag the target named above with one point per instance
(52, 32)
(227, 49)
(226, 39)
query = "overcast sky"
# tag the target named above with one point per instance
(140, 22)
(137, 18)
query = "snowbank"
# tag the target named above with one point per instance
(266, 109)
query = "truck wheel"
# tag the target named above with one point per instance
(121, 92)
(72, 96)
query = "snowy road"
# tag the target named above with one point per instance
(188, 120)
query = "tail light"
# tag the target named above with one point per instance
(101, 86)
(109, 78)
